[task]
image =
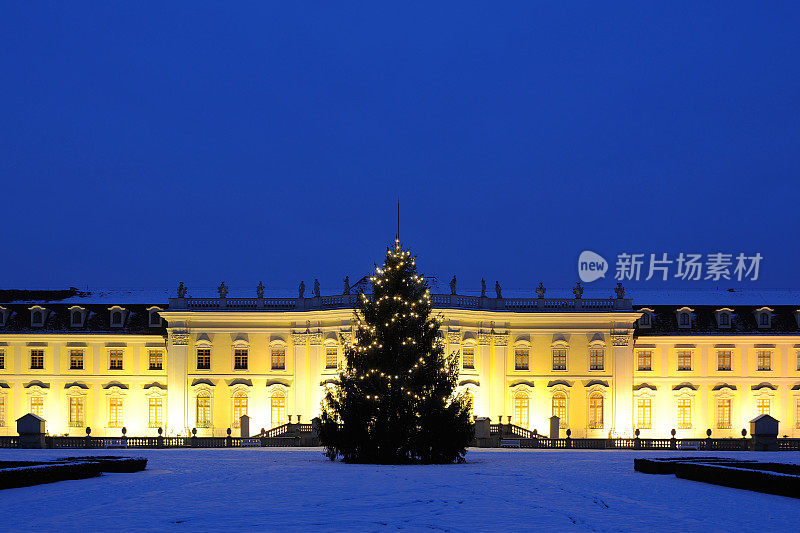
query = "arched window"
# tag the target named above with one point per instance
(239, 407)
(116, 318)
(724, 319)
(764, 319)
(76, 318)
(560, 408)
(278, 409)
(684, 319)
(37, 317)
(521, 409)
(596, 411)
(204, 409)
(645, 320)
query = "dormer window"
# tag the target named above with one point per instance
(76, 316)
(684, 317)
(38, 316)
(117, 318)
(764, 318)
(724, 317)
(646, 320)
(3, 312)
(154, 319)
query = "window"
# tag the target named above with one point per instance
(764, 319)
(75, 412)
(762, 406)
(723, 413)
(37, 318)
(115, 360)
(644, 320)
(76, 318)
(204, 410)
(156, 360)
(331, 357)
(684, 413)
(239, 407)
(685, 320)
(764, 359)
(521, 359)
(155, 416)
(724, 358)
(204, 359)
(116, 318)
(724, 319)
(559, 358)
(797, 413)
(596, 358)
(643, 411)
(76, 359)
(645, 360)
(2, 411)
(278, 358)
(278, 409)
(240, 358)
(560, 408)
(468, 358)
(115, 412)
(684, 359)
(2, 359)
(797, 359)
(37, 406)
(596, 411)
(521, 410)
(37, 359)
(155, 319)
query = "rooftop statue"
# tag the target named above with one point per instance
(222, 290)
(346, 285)
(483, 288)
(497, 289)
(578, 290)
(453, 285)
(316, 288)
(540, 290)
(181, 290)
(620, 290)
(260, 289)
(301, 289)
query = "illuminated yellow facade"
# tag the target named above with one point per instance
(603, 366)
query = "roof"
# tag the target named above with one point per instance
(743, 320)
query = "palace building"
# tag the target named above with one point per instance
(604, 366)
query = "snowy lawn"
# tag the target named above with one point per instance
(273, 489)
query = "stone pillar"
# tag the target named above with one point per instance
(310, 373)
(177, 360)
(622, 391)
(299, 358)
(497, 376)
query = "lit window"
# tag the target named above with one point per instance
(643, 413)
(521, 359)
(724, 358)
(684, 413)
(764, 359)
(797, 359)
(204, 359)
(278, 358)
(797, 413)
(331, 357)
(204, 410)
(559, 359)
(468, 357)
(596, 359)
(278, 409)
(115, 412)
(155, 412)
(240, 358)
(762, 406)
(75, 412)
(560, 408)
(37, 359)
(723, 413)
(115, 360)
(76, 359)
(645, 360)
(521, 410)
(2, 359)
(239, 407)
(156, 360)
(684, 359)
(2, 411)
(596, 411)
(37, 405)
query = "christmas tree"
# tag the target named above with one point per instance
(396, 399)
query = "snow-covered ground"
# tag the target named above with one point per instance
(296, 489)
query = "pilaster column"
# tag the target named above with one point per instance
(177, 358)
(300, 348)
(497, 378)
(622, 391)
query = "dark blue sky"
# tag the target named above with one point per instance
(205, 141)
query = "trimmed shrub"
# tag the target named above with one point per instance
(24, 476)
(741, 478)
